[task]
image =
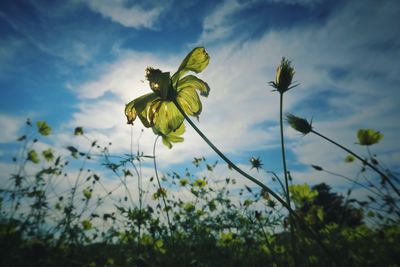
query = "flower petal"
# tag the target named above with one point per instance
(196, 61)
(194, 82)
(368, 137)
(190, 102)
(167, 118)
(174, 136)
(138, 106)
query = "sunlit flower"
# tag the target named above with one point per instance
(284, 76)
(367, 137)
(158, 110)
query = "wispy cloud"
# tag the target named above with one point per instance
(241, 113)
(127, 15)
(10, 127)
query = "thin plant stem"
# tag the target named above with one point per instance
(257, 182)
(279, 180)
(384, 176)
(292, 235)
(159, 185)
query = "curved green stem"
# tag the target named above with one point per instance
(257, 182)
(292, 235)
(384, 176)
(159, 185)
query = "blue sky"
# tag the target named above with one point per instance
(76, 63)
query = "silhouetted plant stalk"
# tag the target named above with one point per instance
(305, 226)
(366, 137)
(174, 98)
(283, 83)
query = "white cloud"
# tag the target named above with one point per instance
(240, 100)
(299, 2)
(129, 16)
(214, 26)
(10, 126)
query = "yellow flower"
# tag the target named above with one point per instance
(158, 110)
(368, 137)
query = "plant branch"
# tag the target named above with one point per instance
(257, 182)
(384, 176)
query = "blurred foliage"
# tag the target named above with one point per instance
(214, 220)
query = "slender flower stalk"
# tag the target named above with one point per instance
(160, 188)
(283, 83)
(384, 176)
(366, 137)
(303, 224)
(175, 98)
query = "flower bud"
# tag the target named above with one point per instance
(284, 76)
(299, 124)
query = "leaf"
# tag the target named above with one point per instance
(21, 138)
(78, 131)
(192, 81)
(43, 128)
(367, 137)
(184, 181)
(87, 194)
(48, 154)
(248, 189)
(74, 151)
(196, 61)
(349, 158)
(87, 225)
(316, 167)
(33, 156)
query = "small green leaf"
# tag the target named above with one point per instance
(73, 150)
(48, 154)
(43, 128)
(161, 192)
(320, 214)
(78, 131)
(184, 181)
(33, 156)
(349, 158)
(367, 137)
(21, 138)
(87, 194)
(87, 225)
